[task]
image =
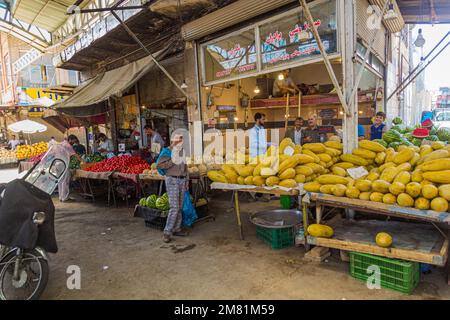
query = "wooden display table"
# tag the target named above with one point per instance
(86, 177)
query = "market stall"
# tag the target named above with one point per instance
(413, 241)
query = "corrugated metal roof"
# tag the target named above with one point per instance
(47, 14)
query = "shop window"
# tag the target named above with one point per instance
(290, 39)
(230, 57)
(284, 40)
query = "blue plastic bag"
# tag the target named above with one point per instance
(164, 153)
(189, 213)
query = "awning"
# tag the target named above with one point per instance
(229, 16)
(87, 100)
(425, 11)
(49, 14)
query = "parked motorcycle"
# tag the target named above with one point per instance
(27, 227)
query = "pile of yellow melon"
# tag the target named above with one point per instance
(287, 165)
(27, 151)
(412, 177)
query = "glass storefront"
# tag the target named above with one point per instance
(284, 40)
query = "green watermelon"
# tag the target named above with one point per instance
(400, 128)
(143, 202)
(406, 142)
(151, 201)
(397, 120)
(392, 136)
(417, 142)
(443, 134)
(162, 204)
(433, 138)
(409, 129)
(395, 145)
(382, 142)
(434, 130)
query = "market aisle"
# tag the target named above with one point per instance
(121, 259)
(6, 175)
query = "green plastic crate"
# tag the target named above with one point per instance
(285, 202)
(398, 275)
(277, 238)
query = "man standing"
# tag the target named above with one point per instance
(172, 162)
(64, 182)
(311, 133)
(284, 85)
(14, 142)
(76, 145)
(258, 137)
(296, 133)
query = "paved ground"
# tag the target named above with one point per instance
(122, 259)
(7, 175)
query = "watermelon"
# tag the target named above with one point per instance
(382, 142)
(395, 145)
(443, 134)
(409, 129)
(162, 204)
(406, 142)
(399, 128)
(397, 120)
(417, 142)
(434, 130)
(421, 133)
(392, 136)
(143, 202)
(427, 124)
(151, 201)
(433, 138)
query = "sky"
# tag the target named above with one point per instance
(437, 73)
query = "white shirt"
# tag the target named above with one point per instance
(258, 141)
(14, 144)
(298, 136)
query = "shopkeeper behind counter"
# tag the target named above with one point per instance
(104, 145)
(311, 134)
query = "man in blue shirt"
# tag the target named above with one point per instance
(361, 132)
(258, 136)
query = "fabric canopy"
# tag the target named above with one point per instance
(27, 126)
(110, 83)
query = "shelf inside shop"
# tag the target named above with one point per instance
(310, 100)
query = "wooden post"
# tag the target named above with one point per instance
(286, 116)
(299, 114)
(350, 120)
(238, 214)
(326, 60)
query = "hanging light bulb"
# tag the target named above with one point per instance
(207, 88)
(420, 41)
(257, 90)
(391, 14)
(281, 76)
(184, 85)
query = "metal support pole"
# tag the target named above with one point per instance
(366, 56)
(326, 60)
(135, 38)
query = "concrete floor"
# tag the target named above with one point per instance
(122, 259)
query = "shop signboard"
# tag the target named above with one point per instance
(27, 96)
(35, 112)
(284, 40)
(226, 109)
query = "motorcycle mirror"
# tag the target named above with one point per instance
(38, 218)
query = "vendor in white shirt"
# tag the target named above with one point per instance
(13, 143)
(104, 145)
